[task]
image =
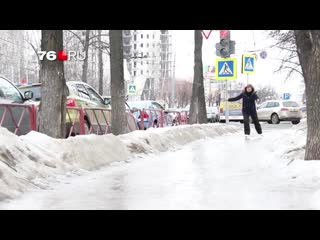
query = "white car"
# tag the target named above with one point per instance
(275, 111)
(212, 114)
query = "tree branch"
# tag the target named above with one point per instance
(77, 36)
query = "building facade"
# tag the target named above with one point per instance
(148, 54)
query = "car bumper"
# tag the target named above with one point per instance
(290, 116)
(232, 118)
(290, 119)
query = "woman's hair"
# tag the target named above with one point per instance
(249, 85)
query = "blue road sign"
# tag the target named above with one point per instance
(132, 89)
(263, 54)
(248, 63)
(286, 96)
(226, 68)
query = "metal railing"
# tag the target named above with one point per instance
(22, 118)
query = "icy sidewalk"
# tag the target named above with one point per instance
(27, 162)
(226, 172)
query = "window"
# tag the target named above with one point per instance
(82, 91)
(95, 96)
(263, 105)
(153, 36)
(134, 73)
(270, 105)
(141, 36)
(135, 46)
(135, 64)
(9, 92)
(141, 72)
(147, 44)
(290, 104)
(234, 93)
(141, 45)
(276, 104)
(153, 45)
(135, 37)
(147, 36)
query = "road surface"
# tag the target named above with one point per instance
(226, 172)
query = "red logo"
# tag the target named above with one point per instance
(62, 55)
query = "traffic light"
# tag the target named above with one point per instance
(232, 48)
(223, 47)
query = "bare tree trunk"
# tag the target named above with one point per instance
(308, 46)
(85, 62)
(100, 59)
(53, 91)
(198, 111)
(118, 94)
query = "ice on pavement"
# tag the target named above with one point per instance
(224, 172)
(27, 162)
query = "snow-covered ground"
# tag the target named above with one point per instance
(188, 167)
(35, 160)
(223, 172)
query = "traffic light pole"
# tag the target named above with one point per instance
(227, 103)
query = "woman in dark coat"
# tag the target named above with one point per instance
(249, 98)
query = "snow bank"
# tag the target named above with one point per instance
(27, 161)
(292, 145)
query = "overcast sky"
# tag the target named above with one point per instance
(246, 40)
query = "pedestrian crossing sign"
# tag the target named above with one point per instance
(248, 64)
(132, 89)
(226, 68)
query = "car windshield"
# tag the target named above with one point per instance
(290, 104)
(137, 104)
(234, 93)
(36, 92)
(9, 92)
(211, 109)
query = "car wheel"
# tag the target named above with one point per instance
(275, 119)
(296, 122)
(269, 122)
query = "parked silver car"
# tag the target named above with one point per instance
(213, 114)
(9, 96)
(275, 111)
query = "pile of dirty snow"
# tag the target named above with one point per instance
(28, 161)
(292, 145)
